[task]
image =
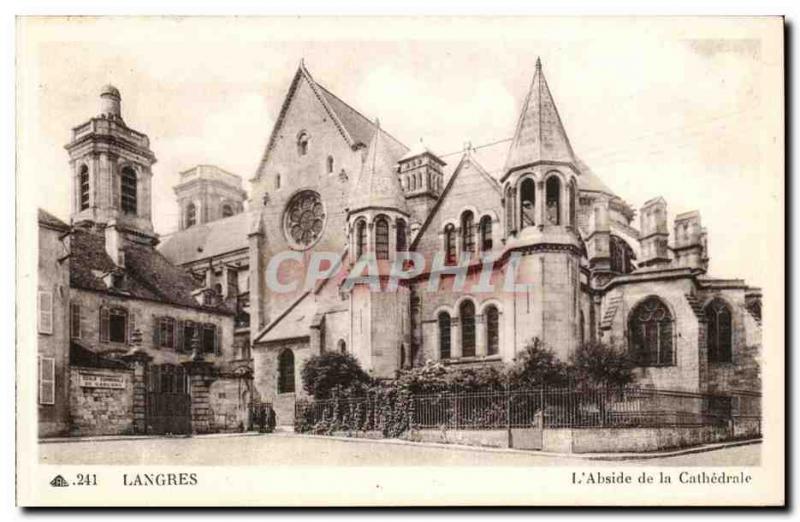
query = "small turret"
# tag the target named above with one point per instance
(654, 237)
(597, 242)
(110, 102)
(690, 237)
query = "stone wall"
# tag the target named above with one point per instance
(228, 402)
(265, 360)
(101, 411)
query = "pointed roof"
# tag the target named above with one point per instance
(378, 185)
(354, 127)
(540, 135)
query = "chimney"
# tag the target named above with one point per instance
(114, 243)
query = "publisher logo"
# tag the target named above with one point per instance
(59, 482)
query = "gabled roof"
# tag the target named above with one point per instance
(540, 135)
(355, 128)
(208, 239)
(147, 273)
(49, 220)
(378, 185)
(464, 159)
(292, 323)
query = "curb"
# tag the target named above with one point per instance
(534, 453)
(109, 438)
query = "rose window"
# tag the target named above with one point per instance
(304, 219)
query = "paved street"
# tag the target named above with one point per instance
(289, 449)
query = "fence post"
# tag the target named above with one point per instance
(508, 417)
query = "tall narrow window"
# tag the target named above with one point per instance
(361, 238)
(227, 210)
(286, 372)
(277, 181)
(467, 316)
(118, 325)
(75, 320)
(302, 144)
(486, 233)
(401, 236)
(573, 202)
(83, 180)
(527, 203)
(342, 346)
(45, 310)
(492, 330)
(718, 339)
(128, 190)
(191, 215)
(209, 339)
(329, 164)
(582, 327)
(509, 210)
(444, 335)
(450, 244)
(381, 238)
(47, 380)
(620, 255)
(468, 232)
(553, 200)
(166, 332)
(650, 333)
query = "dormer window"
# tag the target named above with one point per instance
(302, 144)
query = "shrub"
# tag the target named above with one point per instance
(537, 366)
(598, 364)
(324, 373)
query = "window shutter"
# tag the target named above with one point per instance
(47, 378)
(45, 312)
(217, 343)
(156, 331)
(131, 325)
(103, 324)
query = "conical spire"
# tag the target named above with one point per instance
(378, 184)
(540, 135)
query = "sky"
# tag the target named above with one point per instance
(687, 111)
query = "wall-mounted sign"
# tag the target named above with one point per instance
(100, 380)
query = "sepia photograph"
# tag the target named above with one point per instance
(502, 247)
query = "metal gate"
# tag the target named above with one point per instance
(169, 405)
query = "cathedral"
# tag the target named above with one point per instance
(584, 266)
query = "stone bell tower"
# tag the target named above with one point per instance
(540, 190)
(111, 171)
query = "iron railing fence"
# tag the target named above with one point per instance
(626, 407)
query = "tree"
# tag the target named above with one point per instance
(322, 374)
(537, 366)
(598, 364)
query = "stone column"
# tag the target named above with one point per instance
(139, 361)
(455, 338)
(481, 348)
(201, 375)
(541, 204)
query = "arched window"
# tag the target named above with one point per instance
(381, 238)
(191, 215)
(227, 210)
(468, 232)
(572, 205)
(527, 203)
(302, 144)
(361, 238)
(485, 228)
(620, 255)
(492, 330)
(509, 210)
(218, 289)
(444, 335)
(553, 201)
(650, 333)
(467, 316)
(719, 336)
(128, 190)
(401, 236)
(83, 182)
(286, 372)
(450, 244)
(329, 164)
(341, 346)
